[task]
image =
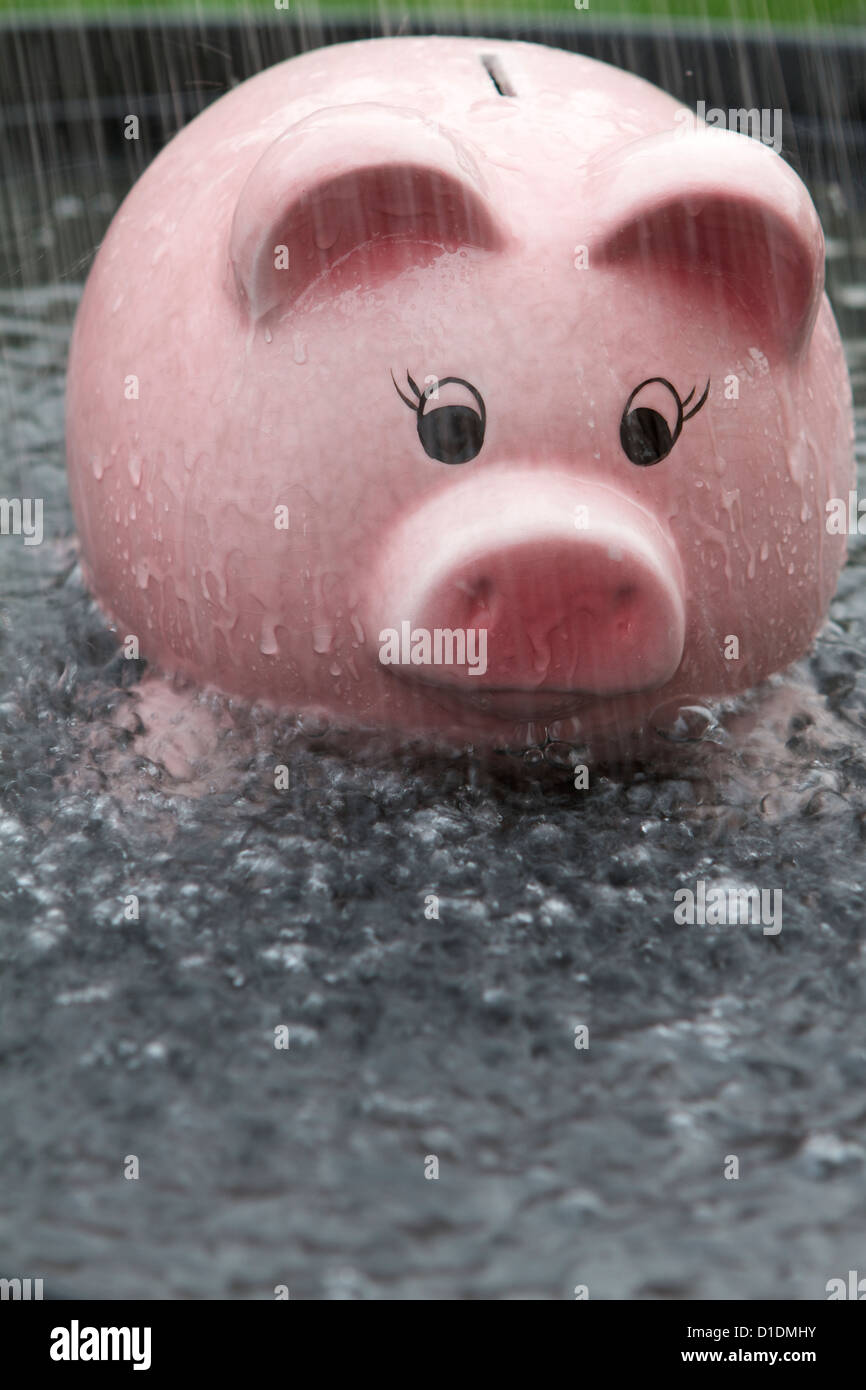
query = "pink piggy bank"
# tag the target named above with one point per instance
(463, 388)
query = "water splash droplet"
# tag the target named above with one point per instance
(692, 724)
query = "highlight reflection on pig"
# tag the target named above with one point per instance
(461, 387)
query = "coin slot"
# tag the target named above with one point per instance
(495, 71)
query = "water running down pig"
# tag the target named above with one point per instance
(461, 387)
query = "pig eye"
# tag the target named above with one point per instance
(449, 433)
(645, 434)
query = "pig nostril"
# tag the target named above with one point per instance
(482, 591)
(476, 590)
(624, 597)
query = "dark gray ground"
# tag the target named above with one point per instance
(409, 1037)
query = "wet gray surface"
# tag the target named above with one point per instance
(408, 1036)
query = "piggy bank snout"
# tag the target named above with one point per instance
(540, 588)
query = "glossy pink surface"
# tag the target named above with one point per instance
(373, 348)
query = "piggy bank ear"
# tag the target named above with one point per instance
(351, 177)
(727, 219)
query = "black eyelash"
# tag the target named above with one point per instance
(700, 405)
(413, 405)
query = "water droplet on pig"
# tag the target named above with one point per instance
(335, 668)
(798, 460)
(325, 234)
(323, 638)
(357, 628)
(98, 467)
(300, 350)
(541, 652)
(269, 337)
(134, 466)
(268, 641)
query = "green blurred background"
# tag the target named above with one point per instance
(791, 13)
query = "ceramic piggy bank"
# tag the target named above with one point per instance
(461, 387)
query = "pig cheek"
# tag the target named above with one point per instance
(753, 571)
